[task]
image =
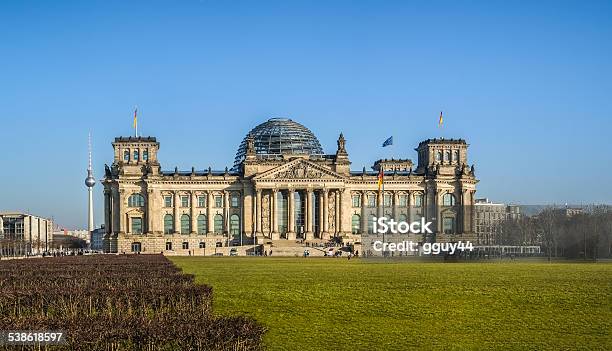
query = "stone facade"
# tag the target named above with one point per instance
(267, 198)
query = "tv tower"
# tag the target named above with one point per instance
(90, 181)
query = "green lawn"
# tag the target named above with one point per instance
(325, 303)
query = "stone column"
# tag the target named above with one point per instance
(258, 212)
(364, 214)
(337, 212)
(226, 195)
(244, 205)
(120, 212)
(425, 203)
(274, 235)
(107, 214)
(394, 202)
(309, 215)
(291, 216)
(209, 213)
(320, 214)
(325, 213)
(115, 207)
(438, 224)
(177, 220)
(461, 215)
(409, 203)
(150, 212)
(194, 223)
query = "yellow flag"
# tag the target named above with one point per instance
(441, 120)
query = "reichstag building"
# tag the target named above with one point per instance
(281, 191)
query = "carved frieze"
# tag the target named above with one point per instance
(331, 210)
(265, 213)
(300, 171)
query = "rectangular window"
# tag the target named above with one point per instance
(169, 246)
(371, 200)
(387, 200)
(184, 201)
(145, 155)
(235, 201)
(418, 201)
(356, 200)
(201, 201)
(448, 224)
(218, 201)
(168, 201)
(185, 245)
(136, 225)
(403, 200)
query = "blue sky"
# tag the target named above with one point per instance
(527, 84)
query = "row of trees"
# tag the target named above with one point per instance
(586, 235)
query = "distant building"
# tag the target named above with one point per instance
(488, 217)
(97, 238)
(569, 211)
(22, 233)
(78, 233)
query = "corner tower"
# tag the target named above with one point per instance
(136, 155)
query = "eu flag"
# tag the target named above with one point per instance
(388, 142)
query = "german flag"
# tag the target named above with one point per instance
(441, 120)
(136, 118)
(381, 176)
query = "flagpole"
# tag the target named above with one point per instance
(383, 204)
(136, 121)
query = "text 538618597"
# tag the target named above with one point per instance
(32, 337)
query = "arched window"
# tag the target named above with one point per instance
(145, 155)
(126, 155)
(136, 200)
(438, 156)
(455, 155)
(402, 218)
(168, 224)
(136, 155)
(448, 200)
(202, 224)
(356, 224)
(218, 224)
(235, 226)
(185, 224)
(446, 156)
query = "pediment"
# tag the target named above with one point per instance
(299, 170)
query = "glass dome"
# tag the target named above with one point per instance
(278, 136)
